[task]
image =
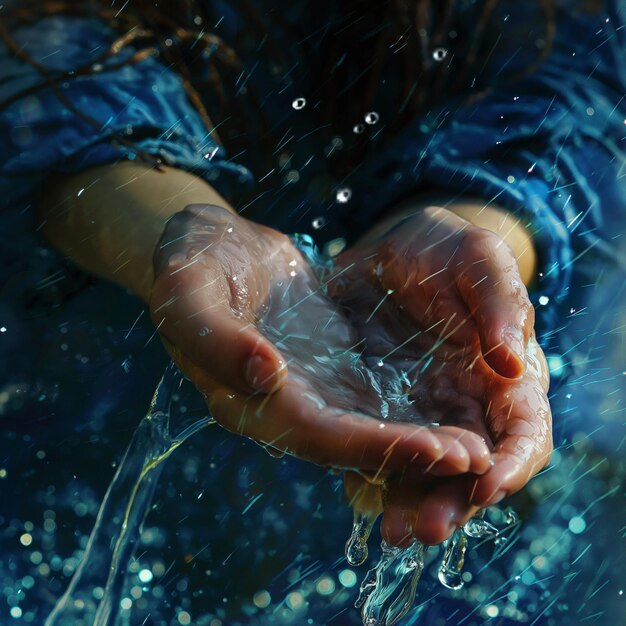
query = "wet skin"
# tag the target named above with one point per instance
(292, 359)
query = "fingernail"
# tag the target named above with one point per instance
(261, 374)
(514, 339)
(497, 497)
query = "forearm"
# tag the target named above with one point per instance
(492, 217)
(109, 219)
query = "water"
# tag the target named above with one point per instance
(356, 546)
(119, 522)
(388, 591)
(324, 350)
(451, 567)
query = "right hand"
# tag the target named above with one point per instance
(227, 295)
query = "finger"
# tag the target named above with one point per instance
(444, 315)
(492, 288)
(476, 445)
(429, 513)
(193, 309)
(521, 423)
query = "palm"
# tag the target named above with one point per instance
(242, 289)
(442, 302)
(446, 382)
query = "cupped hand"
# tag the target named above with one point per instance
(447, 298)
(244, 317)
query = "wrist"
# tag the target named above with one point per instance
(493, 218)
(508, 227)
(109, 219)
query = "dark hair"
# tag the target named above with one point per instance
(357, 50)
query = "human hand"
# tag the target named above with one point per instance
(242, 314)
(447, 297)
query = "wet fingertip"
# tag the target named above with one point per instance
(494, 498)
(435, 451)
(482, 465)
(262, 374)
(481, 498)
(433, 533)
(396, 528)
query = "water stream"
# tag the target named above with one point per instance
(118, 525)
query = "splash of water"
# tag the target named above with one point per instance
(356, 546)
(388, 591)
(119, 522)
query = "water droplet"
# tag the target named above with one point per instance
(343, 195)
(511, 517)
(358, 129)
(453, 559)
(439, 54)
(479, 529)
(204, 331)
(356, 546)
(318, 222)
(298, 103)
(371, 118)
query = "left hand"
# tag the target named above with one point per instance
(447, 298)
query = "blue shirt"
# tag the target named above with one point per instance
(548, 146)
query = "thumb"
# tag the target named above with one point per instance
(191, 307)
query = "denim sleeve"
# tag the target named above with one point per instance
(550, 148)
(138, 107)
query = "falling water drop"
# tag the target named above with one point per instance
(318, 222)
(358, 129)
(439, 54)
(479, 529)
(356, 546)
(511, 517)
(453, 559)
(343, 195)
(299, 103)
(372, 118)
